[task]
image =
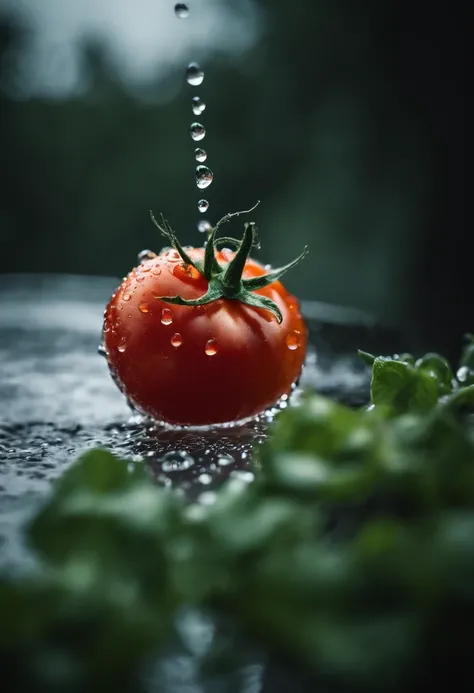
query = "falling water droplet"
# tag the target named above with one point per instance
(204, 226)
(200, 155)
(203, 205)
(176, 340)
(211, 347)
(198, 105)
(204, 177)
(143, 308)
(166, 316)
(181, 10)
(197, 132)
(194, 75)
(293, 340)
(145, 255)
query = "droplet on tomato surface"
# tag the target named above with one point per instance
(198, 105)
(181, 10)
(144, 255)
(176, 340)
(156, 271)
(211, 347)
(293, 340)
(126, 297)
(203, 205)
(143, 308)
(200, 154)
(204, 177)
(194, 74)
(186, 271)
(139, 278)
(121, 346)
(166, 316)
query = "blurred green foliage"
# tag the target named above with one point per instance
(351, 553)
(344, 120)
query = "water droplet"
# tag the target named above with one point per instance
(204, 226)
(139, 278)
(243, 475)
(203, 205)
(198, 105)
(211, 347)
(121, 346)
(205, 479)
(145, 255)
(143, 308)
(176, 461)
(207, 498)
(181, 10)
(225, 460)
(156, 271)
(176, 340)
(293, 340)
(200, 154)
(186, 271)
(101, 350)
(197, 131)
(194, 74)
(166, 316)
(204, 177)
(127, 297)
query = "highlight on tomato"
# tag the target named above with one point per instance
(202, 336)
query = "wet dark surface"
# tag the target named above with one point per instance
(58, 400)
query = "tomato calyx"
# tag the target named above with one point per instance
(226, 281)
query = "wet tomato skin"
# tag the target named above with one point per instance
(201, 365)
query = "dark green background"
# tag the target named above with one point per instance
(345, 120)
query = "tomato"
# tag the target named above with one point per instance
(219, 362)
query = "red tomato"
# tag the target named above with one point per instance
(200, 365)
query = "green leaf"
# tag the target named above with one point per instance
(438, 367)
(401, 387)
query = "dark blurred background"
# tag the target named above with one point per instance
(344, 118)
